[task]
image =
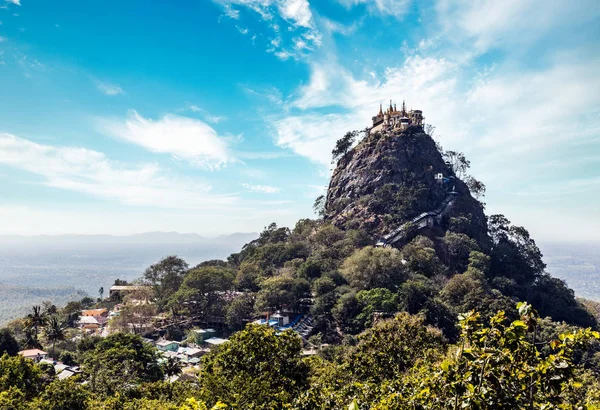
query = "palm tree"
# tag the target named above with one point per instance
(171, 367)
(36, 319)
(55, 330)
(30, 339)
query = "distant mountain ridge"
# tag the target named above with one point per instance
(144, 237)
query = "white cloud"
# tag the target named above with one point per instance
(91, 172)
(301, 35)
(184, 138)
(296, 11)
(108, 88)
(263, 189)
(15, 2)
(512, 23)
(313, 135)
(213, 119)
(426, 83)
(526, 108)
(242, 30)
(396, 8)
(231, 12)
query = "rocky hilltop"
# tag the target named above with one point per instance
(389, 178)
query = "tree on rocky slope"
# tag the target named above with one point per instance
(343, 145)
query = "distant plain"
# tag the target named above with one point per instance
(66, 268)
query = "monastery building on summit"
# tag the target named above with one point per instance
(392, 119)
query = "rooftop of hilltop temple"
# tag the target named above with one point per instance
(392, 118)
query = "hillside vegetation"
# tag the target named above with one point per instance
(457, 314)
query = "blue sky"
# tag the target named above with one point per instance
(219, 116)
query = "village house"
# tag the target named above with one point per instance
(198, 336)
(95, 312)
(34, 354)
(92, 324)
(214, 341)
(62, 370)
(167, 345)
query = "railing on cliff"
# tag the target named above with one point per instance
(421, 221)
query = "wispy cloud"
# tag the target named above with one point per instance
(242, 30)
(508, 24)
(15, 2)
(231, 12)
(92, 173)
(301, 36)
(296, 11)
(3, 39)
(108, 88)
(213, 119)
(396, 8)
(427, 83)
(184, 138)
(263, 189)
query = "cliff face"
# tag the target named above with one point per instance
(387, 179)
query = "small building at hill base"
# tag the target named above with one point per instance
(94, 312)
(215, 341)
(34, 354)
(198, 336)
(167, 345)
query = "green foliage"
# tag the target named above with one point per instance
(403, 201)
(166, 277)
(421, 257)
(20, 373)
(499, 367)
(202, 291)
(414, 294)
(371, 267)
(119, 362)
(343, 145)
(62, 395)
(459, 246)
(55, 330)
(319, 206)
(281, 291)
(256, 369)
(67, 358)
(514, 253)
(553, 298)
(460, 224)
(310, 269)
(345, 313)
(171, 367)
(8, 343)
(13, 399)
(36, 319)
(391, 347)
(400, 364)
(240, 308)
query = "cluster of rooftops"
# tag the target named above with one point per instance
(392, 118)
